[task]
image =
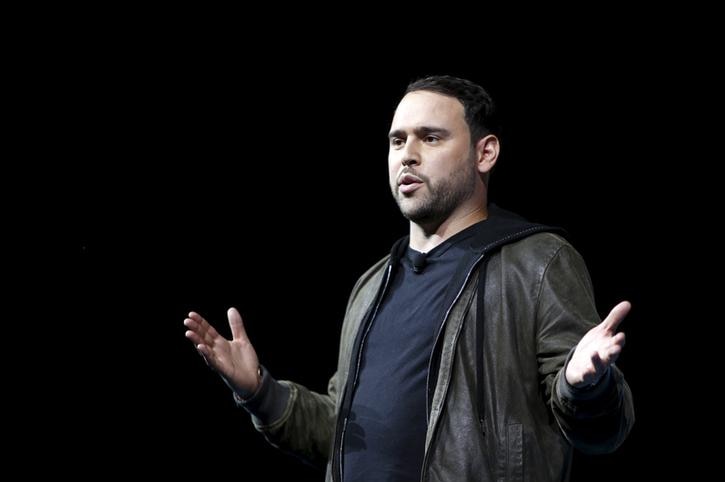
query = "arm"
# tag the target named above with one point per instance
(306, 422)
(290, 416)
(587, 393)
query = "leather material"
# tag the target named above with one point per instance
(538, 304)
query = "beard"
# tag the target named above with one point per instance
(442, 198)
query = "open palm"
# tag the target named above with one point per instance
(235, 360)
(598, 349)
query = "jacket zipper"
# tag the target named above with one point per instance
(435, 343)
(486, 249)
(357, 365)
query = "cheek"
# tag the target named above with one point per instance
(392, 167)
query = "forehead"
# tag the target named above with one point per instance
(423, 108)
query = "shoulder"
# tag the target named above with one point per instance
(540, 244)
(539, 251)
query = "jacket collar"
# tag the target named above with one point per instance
(501, 227)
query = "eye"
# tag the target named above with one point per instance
(396, 142)
(431, 139)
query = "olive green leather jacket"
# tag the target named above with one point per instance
(498, 406)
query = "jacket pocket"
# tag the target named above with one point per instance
(515, 452)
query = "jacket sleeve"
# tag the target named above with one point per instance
(298, 420)
(595, 422)
(304, 426)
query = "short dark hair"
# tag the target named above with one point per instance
(478, 105)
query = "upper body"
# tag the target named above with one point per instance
(538, 304)
(521, 370)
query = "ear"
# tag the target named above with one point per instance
(487, 149)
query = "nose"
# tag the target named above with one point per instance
(410, 156)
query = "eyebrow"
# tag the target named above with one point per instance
(421, 132)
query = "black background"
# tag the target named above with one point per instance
(205, 177)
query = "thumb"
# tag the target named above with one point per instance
(236, 324)
(616, 316)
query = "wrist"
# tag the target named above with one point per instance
(244, 395)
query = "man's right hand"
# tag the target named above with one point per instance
(235, 360)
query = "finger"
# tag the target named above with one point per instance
(202, 349)
(194, 337)
(612, 354)
(205, 333)
(204, 358)
(616, 316)
(237, 326)
(203, 327)
(197, 317)
(599, 364)
(205, 353)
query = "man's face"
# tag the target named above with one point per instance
(431, 162)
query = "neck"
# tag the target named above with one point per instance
(425, 238)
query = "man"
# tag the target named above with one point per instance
(472, 352)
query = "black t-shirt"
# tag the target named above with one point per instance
(385, 435)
